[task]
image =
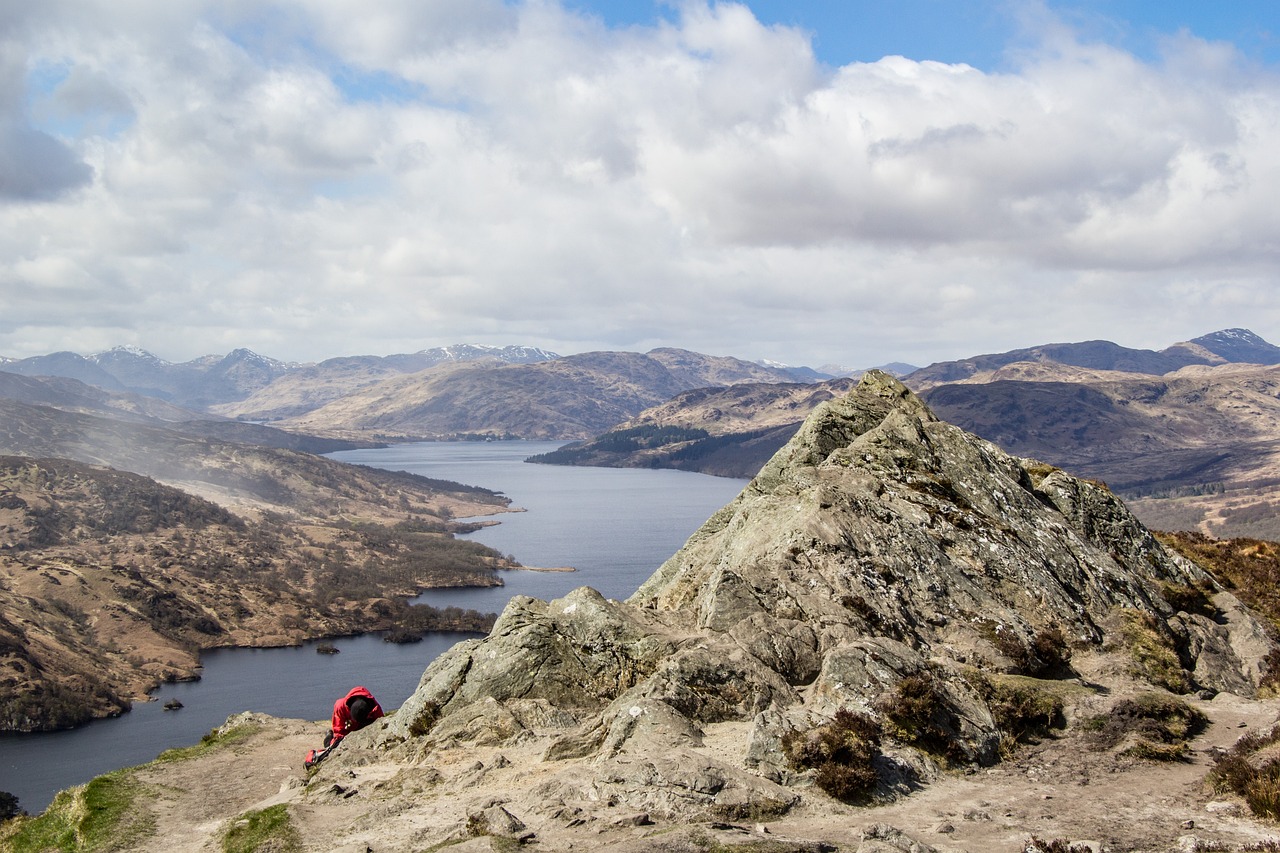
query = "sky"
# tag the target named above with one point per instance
(813, 183)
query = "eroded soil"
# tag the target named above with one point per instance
(364, 799)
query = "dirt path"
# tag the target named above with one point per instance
(365, 799)
(195, 799)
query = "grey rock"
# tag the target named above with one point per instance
(495, 820)
(677, 783)
(1223, 807)
(879, 544)
(883, 838)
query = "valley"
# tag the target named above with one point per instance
(136, 530)
(111, 583)
(898, 637)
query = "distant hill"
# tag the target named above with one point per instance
(73, 396)
(194, 384)
(725, 431)
(312, 386)
(1227, 346)
(130, 538)
(236, 464)
(1239, 346)
(67, 365)
(210, 381)
(1197, 448)
(111, 583)
(1193, 427)
(444, 391)
(574, 396)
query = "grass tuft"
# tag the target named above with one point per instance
(1154, 658)
(215, 739)
(270, 830)
(1024, 709)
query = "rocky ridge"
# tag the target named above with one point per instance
(881, 547)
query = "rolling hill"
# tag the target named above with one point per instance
(1195, 448)
(570, 397)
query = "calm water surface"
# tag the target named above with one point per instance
(615, 526)
(293, 682)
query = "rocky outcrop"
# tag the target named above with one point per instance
(879, 564)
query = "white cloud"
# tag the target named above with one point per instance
(320, 178)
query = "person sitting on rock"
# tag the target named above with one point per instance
(350, 713)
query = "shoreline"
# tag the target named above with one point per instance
(540, 569)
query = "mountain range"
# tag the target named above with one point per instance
(1190, 431)
(212, 379)
(247, 386)
(1229, 346)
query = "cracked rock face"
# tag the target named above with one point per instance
(880, 545)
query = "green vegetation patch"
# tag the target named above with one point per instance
(101, 815)
(842, 752)
(1155, 659)
(1024, 709)
(214, 740)
(630, 440)
(1157, 727)
(270, 830)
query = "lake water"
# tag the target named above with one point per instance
(293, 682)
(615, 526)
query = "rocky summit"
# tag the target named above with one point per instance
(884, 566)
(894, 613)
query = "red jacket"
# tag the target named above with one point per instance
(343, 723)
